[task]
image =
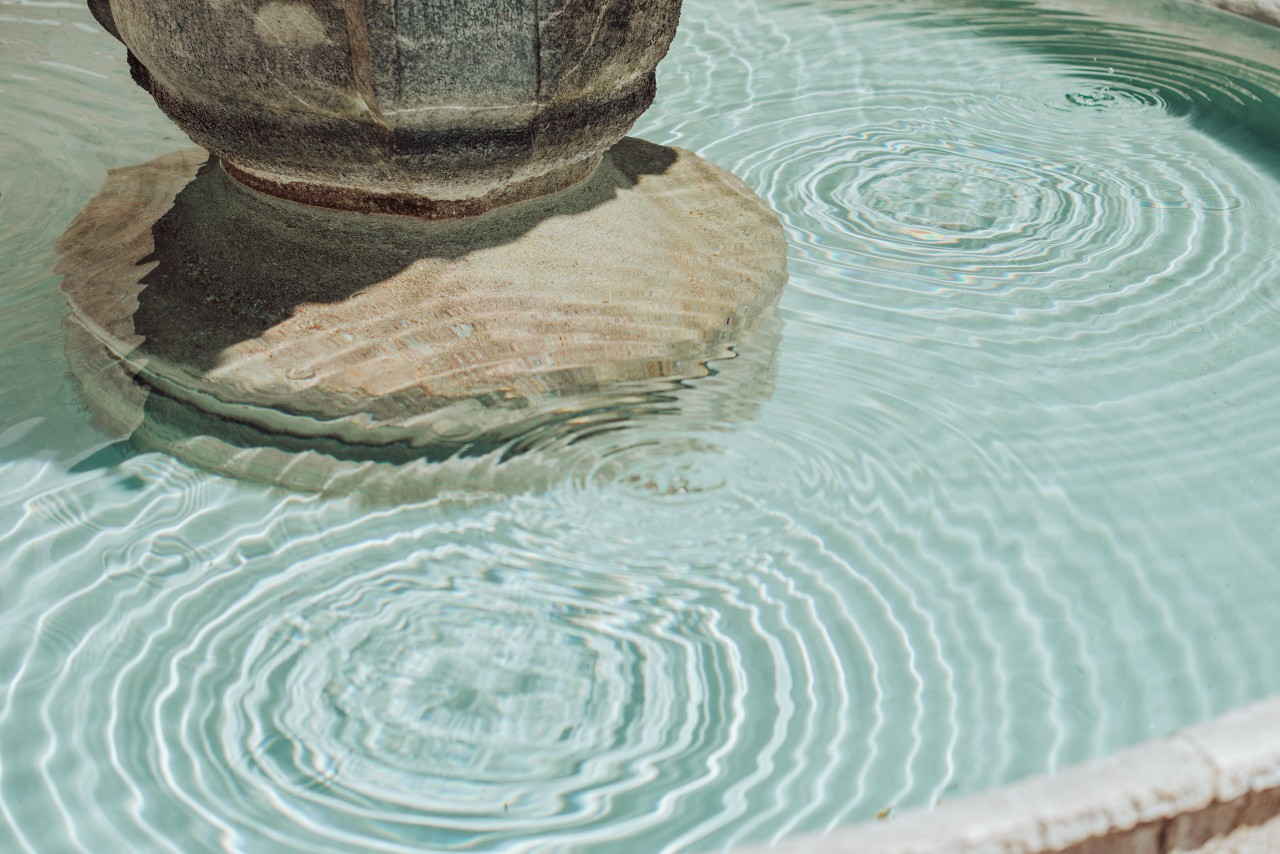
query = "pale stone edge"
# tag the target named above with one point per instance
(1173, 794)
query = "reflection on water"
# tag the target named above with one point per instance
(1004, 497)
(320, 349)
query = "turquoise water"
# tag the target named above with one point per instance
(1010, 505)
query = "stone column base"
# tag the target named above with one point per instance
(326, 350)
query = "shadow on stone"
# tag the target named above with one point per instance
(236, 263)
(297, 345)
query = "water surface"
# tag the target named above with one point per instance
(1011, 505)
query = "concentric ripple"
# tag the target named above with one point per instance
(439, 708)
(1010, 505)
(897, 189)
(453, 696)
(951, 199)
(1109, 100)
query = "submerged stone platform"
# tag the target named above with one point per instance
(293, 344)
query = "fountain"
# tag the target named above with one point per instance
(420, 234)
(1010, 506)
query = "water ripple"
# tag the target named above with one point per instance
(1010, 506)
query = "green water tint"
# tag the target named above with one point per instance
(1011, 505)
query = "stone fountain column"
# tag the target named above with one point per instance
(421, 239)
(435, 108)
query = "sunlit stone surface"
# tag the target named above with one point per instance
(246, 333)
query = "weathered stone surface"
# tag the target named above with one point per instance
(1264, 839)
(433, 108)
(264, 332)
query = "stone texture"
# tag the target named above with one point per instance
(1267, 11)
(433, 108)
(1245, 746)
(1264, 839)
(359, 338)
(1210, 782)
